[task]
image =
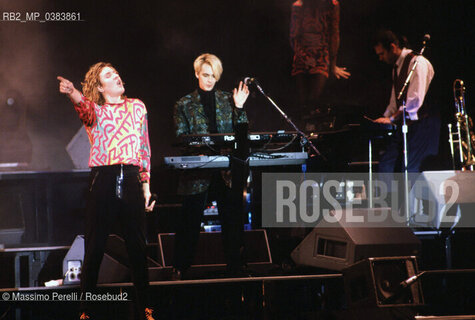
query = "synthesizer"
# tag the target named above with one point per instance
(258, 138)
(255, 160)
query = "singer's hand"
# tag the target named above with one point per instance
(383, 120)
(148, 195)
(240, 95)
(340, 72)
(67, 87)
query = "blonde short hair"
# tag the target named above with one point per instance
(212, 60)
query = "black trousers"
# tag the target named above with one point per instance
(104, 209)
(422, 149)
(422, 144)
(230, 207)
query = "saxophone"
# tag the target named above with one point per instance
(462, 139)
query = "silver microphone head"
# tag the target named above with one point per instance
(426, 39)
(248, 81)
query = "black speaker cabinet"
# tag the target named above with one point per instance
(376, 282)
(338, 245)
(437, 197)
(209, 249)
(12, 221)
(79, 148)
(114, 266)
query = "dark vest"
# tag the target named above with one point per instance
(398, 83)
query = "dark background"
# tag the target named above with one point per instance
(153, 45)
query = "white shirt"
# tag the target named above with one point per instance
(417, 87)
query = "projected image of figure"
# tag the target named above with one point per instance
(314, 37)
(119, 187)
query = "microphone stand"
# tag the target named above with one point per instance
(304, 140)
(405, 130)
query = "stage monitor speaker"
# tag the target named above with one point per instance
(115, 247)
(377, 282)
(338, 245)
(72, 262)
(114, 266)
(442, 199)
(210, 251)
(12, 222)
(79, 148)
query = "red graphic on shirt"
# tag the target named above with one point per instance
(314, 36)
(118, 134)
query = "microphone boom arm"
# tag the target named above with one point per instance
(304, 138)
(409, 76)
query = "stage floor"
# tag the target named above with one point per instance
(304, 296)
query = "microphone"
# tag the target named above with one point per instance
(409, 281)
(403, 285)
(426, 39)
(248, 81)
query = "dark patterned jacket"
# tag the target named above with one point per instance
(190, 118)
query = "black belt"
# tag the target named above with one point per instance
(119, 171)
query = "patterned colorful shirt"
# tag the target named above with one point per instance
(314, 36)
(118, 133)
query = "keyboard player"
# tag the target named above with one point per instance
(209, 110)
(423, 119)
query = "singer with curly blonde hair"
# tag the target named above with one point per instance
(119, 187)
